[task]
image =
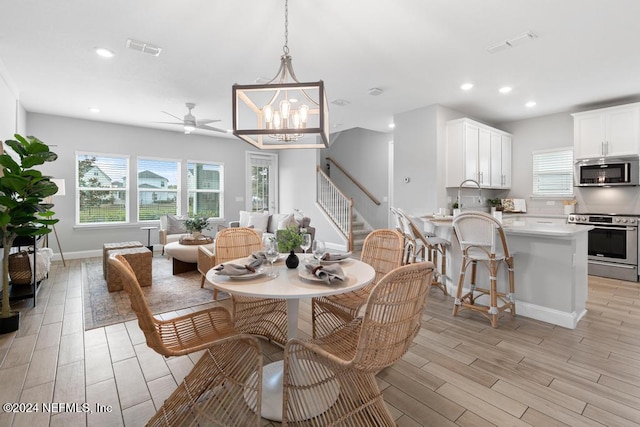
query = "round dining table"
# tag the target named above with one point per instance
(292, 285)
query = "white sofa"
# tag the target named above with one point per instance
(264, 222)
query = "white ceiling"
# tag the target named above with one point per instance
(418, 51)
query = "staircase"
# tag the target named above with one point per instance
(339, 209)
(360, 232)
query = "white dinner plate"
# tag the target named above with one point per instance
(337, 261)
(259, 272)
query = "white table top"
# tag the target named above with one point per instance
(289, 285)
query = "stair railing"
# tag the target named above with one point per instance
(337, 206)
(355, 181)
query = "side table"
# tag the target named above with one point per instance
(149, 245)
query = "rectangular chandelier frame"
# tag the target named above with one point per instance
(253, 130)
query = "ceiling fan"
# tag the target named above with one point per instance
(190, 123)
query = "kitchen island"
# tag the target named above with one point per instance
(550, 256)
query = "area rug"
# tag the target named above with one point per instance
(167, 293)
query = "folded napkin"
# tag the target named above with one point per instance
(258, 255)
(335, 256)
(326, 272)
(238, 270)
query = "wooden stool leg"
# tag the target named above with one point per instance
(474, 269)
(493, 293)
(458, 300)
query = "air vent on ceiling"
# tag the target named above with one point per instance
(375, 91)
(143, 47)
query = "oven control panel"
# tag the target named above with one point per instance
(603, 219)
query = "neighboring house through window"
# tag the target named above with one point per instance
(204, 187)
(102, 188)
(158, 188)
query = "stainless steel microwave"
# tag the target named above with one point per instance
(607, 171)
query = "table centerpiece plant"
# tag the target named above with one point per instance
(289, 239)
(23, 210)
(195, 225)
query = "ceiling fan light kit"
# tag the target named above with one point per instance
(282, 113)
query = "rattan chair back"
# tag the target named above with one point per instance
(392, 317)
(177, 336)
(383, 250)
(236, 242)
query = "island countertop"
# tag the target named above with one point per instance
(526, 225)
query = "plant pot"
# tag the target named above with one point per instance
(11, 323)
(196, 234)
(292, 260)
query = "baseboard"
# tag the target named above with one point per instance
(549, 315)
(89, 254)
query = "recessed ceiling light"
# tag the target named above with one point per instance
(105, 53)
(94, 109)
(505, 89)
(466, 86)
(392, 125)
(530, 104)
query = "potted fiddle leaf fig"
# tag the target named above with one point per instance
(23, 211)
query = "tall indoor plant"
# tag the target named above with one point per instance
(23, 212)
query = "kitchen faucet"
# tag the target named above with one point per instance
(460, 191)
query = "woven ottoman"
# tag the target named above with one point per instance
(110, 246)
(140, 261)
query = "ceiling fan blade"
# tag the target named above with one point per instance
(211, 128)
(175, 117)
(205, 121)
(171, 123)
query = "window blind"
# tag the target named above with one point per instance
(553, 172)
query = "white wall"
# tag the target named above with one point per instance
(297, 181)
(69, 135)
(8, 106)
(364, 154)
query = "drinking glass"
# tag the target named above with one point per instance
(306, 244)
(318, 250)
(271, 253)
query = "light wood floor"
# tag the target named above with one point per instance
(459, 372)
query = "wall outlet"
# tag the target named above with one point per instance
(551, 203)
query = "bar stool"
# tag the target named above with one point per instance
(425, 248)
(437, 248)
(482, 239)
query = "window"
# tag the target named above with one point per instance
(103, 188)
(262, 182)
(553, 172)
(158, 189)
(204, 187)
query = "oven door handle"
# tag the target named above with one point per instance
(616, 228)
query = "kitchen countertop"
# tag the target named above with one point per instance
(532, 225)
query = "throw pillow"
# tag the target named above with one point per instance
(175, 225)
(244, 218)
(280, 221)
(259, 220)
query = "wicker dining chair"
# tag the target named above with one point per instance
(178, 336)
(266, 317)
(383, 250)
(332, 380)
(224, 388)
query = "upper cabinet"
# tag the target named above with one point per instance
(609, 131)
(479, 152)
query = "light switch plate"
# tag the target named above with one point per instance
(551, 203)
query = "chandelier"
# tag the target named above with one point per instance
(282, 113)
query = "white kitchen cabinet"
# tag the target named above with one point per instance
(500, 160)
(469, 155)
(611, 131)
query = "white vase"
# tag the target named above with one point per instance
(196, 234)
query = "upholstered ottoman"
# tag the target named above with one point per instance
(140, 261)
(110, 246)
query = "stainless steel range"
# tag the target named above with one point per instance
(613, 244)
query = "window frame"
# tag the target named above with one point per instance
(126, 188)
(567, 169)
(179, 163)
(220, 191)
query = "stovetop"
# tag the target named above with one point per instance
(603, 219)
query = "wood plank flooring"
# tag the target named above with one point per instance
(459, 372)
